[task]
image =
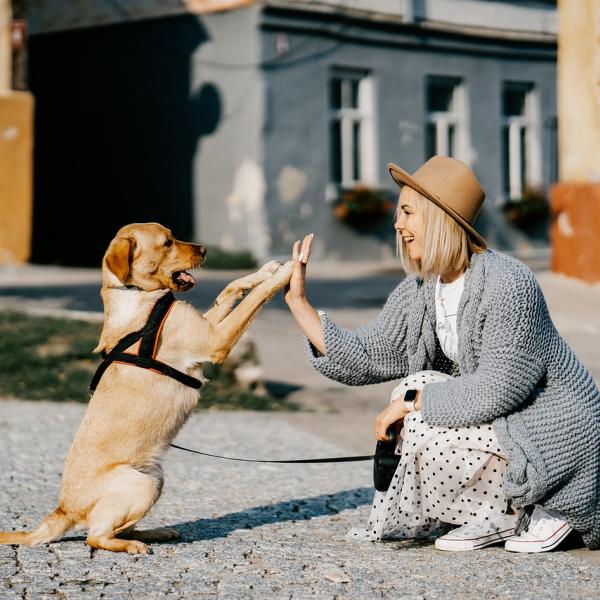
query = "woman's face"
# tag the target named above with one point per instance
(409, 224)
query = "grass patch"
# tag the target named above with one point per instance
(44, 358)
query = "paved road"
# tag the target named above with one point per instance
(351, 293)
(247, 531)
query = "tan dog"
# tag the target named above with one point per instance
(112, 475)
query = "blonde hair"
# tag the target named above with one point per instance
(446, 245)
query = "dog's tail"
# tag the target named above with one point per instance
(51, 528)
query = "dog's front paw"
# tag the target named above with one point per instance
(270, 268)
(284, 273)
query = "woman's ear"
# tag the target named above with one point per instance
(118, 257)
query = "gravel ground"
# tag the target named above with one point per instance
(247, 531)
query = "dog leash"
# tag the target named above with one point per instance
(340, 459)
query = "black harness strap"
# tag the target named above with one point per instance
(148, 342)
(145, 358)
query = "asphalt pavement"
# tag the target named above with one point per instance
(247, 531)
(265, 531)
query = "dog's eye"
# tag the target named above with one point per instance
(169, 243)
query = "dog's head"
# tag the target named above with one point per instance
(147, 256)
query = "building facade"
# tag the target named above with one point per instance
(243, 128)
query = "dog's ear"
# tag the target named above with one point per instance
(118, 257)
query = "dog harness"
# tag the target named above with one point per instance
(147, 337)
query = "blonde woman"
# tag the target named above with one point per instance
(502, 440)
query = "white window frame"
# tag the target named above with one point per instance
(364, 114)
(529, 124)
(442, 120)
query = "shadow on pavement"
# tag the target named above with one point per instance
(291, 510)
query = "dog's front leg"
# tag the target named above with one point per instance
(229, 331)
(235, 291)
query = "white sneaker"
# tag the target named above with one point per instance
(545, 531)
(478, 534)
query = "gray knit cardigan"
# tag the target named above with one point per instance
(516, 372)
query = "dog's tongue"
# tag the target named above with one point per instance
(186, 277)
(184, 280)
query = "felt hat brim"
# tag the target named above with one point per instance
(402, 177)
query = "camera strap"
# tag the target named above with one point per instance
(339, 459)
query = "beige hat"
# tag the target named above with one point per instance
(451, 185)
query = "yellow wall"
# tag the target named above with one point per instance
(579, 90)
(16, 158)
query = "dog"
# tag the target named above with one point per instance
(113, 475)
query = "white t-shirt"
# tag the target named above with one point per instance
(447, 299)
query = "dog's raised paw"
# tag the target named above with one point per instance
(271, 267)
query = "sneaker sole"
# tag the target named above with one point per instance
(539, 545)
(450, 545)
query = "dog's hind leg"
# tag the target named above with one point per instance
(128, 497)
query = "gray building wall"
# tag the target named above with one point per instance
(399, 60)
(229, 181)
(260, 168)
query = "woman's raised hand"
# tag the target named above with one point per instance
(295, 296)
(295, 292)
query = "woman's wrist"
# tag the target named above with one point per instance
(418, 400)
(297, 303)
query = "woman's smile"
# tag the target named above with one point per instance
(409, 223)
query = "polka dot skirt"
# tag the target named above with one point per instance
(445, 477)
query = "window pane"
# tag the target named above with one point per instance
(430, 149)
(451, 140)
(513, 102)
(505, 161)
(356, 151)
(523, 156)
(439, 96)
(336, 156)
(354, 92)
(335, 93)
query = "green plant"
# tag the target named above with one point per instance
(528, 211)
(218, 258)
(362, 207)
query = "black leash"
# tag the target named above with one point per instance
(340, 459)
(145, 359)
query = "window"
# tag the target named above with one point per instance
(444, 103)
(520, 147)
(352, 142)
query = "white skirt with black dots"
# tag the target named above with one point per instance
(445, 477)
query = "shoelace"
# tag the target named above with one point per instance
(536, 528)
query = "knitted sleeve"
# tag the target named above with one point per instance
(510, 364)
(371, 353)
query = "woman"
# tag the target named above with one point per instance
(506, 444)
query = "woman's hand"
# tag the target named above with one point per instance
(295, 296)
(295, 292)
(394, 412)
